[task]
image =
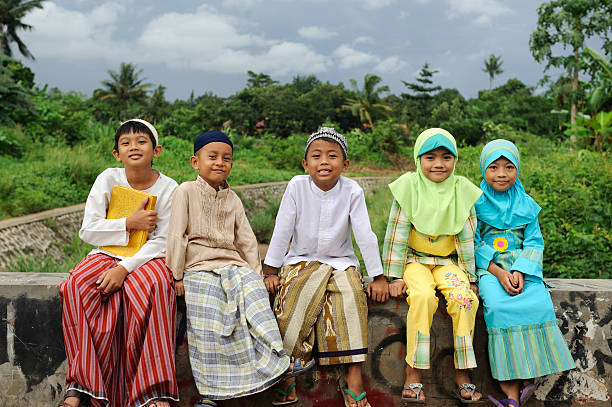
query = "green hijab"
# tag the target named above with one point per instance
(435, 208)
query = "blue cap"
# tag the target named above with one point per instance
(210, 137)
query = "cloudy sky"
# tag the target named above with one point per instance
(208, 46)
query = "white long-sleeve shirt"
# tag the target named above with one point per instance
(99, 231)
(318, 224)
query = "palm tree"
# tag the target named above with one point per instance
(124, 86)
(11, 13)
(366, 103)
(493, 67)
(259, 80)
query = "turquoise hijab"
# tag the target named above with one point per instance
(510, 208)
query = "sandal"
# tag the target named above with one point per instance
(495, 401)
(526, 393)
(83, 398)
(345, 391)
(285, 393)
(416, 388)
(471, 389)
(507, 402)
(205, 403)
(298, 368)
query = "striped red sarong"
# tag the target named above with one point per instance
(120, 349)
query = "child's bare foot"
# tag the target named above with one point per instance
(511, 389)
(158, 403)
(462, 378)
(285, 392)
(71, 402)
(354, 383)
(413, 376)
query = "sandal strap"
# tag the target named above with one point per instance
(286, 392)
(353, 395)
(470, 388)
(507, 402)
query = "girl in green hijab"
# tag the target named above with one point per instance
(429, 245)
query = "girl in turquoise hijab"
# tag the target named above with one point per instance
(429, 245)
(524, 339)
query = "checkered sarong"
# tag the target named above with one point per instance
(235, 348)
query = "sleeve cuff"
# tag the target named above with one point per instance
(484, 255)
(526, 266)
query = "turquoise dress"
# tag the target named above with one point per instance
(524, 339)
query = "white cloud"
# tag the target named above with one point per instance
(239, 4)
(363, 40)
(316, 33)
(375, 4)
(181, 40)
(483, 9)
(350, 57)
(390, 65)
(59, 32)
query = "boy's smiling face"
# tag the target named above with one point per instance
(214, 162)
(437, 164)
(501, 174)
(324, 163)
(135, 150)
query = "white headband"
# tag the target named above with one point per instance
(149, 126)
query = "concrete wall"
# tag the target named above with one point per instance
(32, 365)
(42, 234)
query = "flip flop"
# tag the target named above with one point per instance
(507, 402)
(298, 368)
(416, 388)
(495, 401)
(471, 389)
(84, 400)
(205, 403)
(526, 393)
(285, 393)
(346, 392)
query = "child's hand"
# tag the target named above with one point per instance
(141, 219)
(271, 279)
(272, 282)
(519, 280)
(505, 278)
(111, 280)
(179, 288)
(397, 288)
(474, 288)
(507, 281)
(378, 290)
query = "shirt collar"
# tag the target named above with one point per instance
(223, 189)
(319, 192)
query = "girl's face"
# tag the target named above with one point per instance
(438, 164)
(501, 174)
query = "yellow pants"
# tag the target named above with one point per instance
(461, 304)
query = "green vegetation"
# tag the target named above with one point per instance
(53, 144)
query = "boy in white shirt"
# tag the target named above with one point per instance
(118, 313)
(319, 290)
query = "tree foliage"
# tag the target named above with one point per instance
(367, 100)
(566, 24)
(124, 87)
(11, 14)
(493, 66)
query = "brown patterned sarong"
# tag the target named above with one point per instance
(317, 301)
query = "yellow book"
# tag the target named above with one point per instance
(123, 203)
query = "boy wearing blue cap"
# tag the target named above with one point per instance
(235, 348)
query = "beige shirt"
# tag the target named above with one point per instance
(209, 230)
